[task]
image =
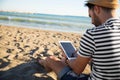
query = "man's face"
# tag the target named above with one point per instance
(94, 18)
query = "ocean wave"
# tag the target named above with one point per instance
(43, 22)
(46, 21)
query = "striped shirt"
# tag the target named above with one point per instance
(102, 44)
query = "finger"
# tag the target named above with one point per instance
(41, 62)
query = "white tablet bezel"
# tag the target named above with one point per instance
(65, 51)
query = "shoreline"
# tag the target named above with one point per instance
(20, 46)
(39, 28)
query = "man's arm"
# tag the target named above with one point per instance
(78, 64)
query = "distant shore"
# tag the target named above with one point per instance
(20, 46)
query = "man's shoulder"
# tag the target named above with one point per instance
(108, 25)
(94, 29)
(112, 21)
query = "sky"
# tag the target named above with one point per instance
(60, 7)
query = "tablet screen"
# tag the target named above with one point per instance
(68, 48)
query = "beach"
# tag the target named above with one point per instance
(20, 47)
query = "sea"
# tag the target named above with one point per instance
(64, 23)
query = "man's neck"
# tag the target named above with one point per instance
(106, 16)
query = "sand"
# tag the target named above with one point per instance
(20, 47)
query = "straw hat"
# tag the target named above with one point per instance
(105, 3)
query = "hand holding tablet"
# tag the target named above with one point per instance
(68, 49)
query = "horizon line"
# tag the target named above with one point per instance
(42, 13)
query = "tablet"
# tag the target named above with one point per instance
(68, 49)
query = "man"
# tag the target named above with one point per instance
(100, 45)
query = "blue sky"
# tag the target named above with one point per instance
(61, 7)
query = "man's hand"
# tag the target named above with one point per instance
(44, 63)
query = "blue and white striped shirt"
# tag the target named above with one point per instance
(102, 44)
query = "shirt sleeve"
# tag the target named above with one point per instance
(87, 45)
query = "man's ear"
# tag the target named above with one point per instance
(97, 9)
